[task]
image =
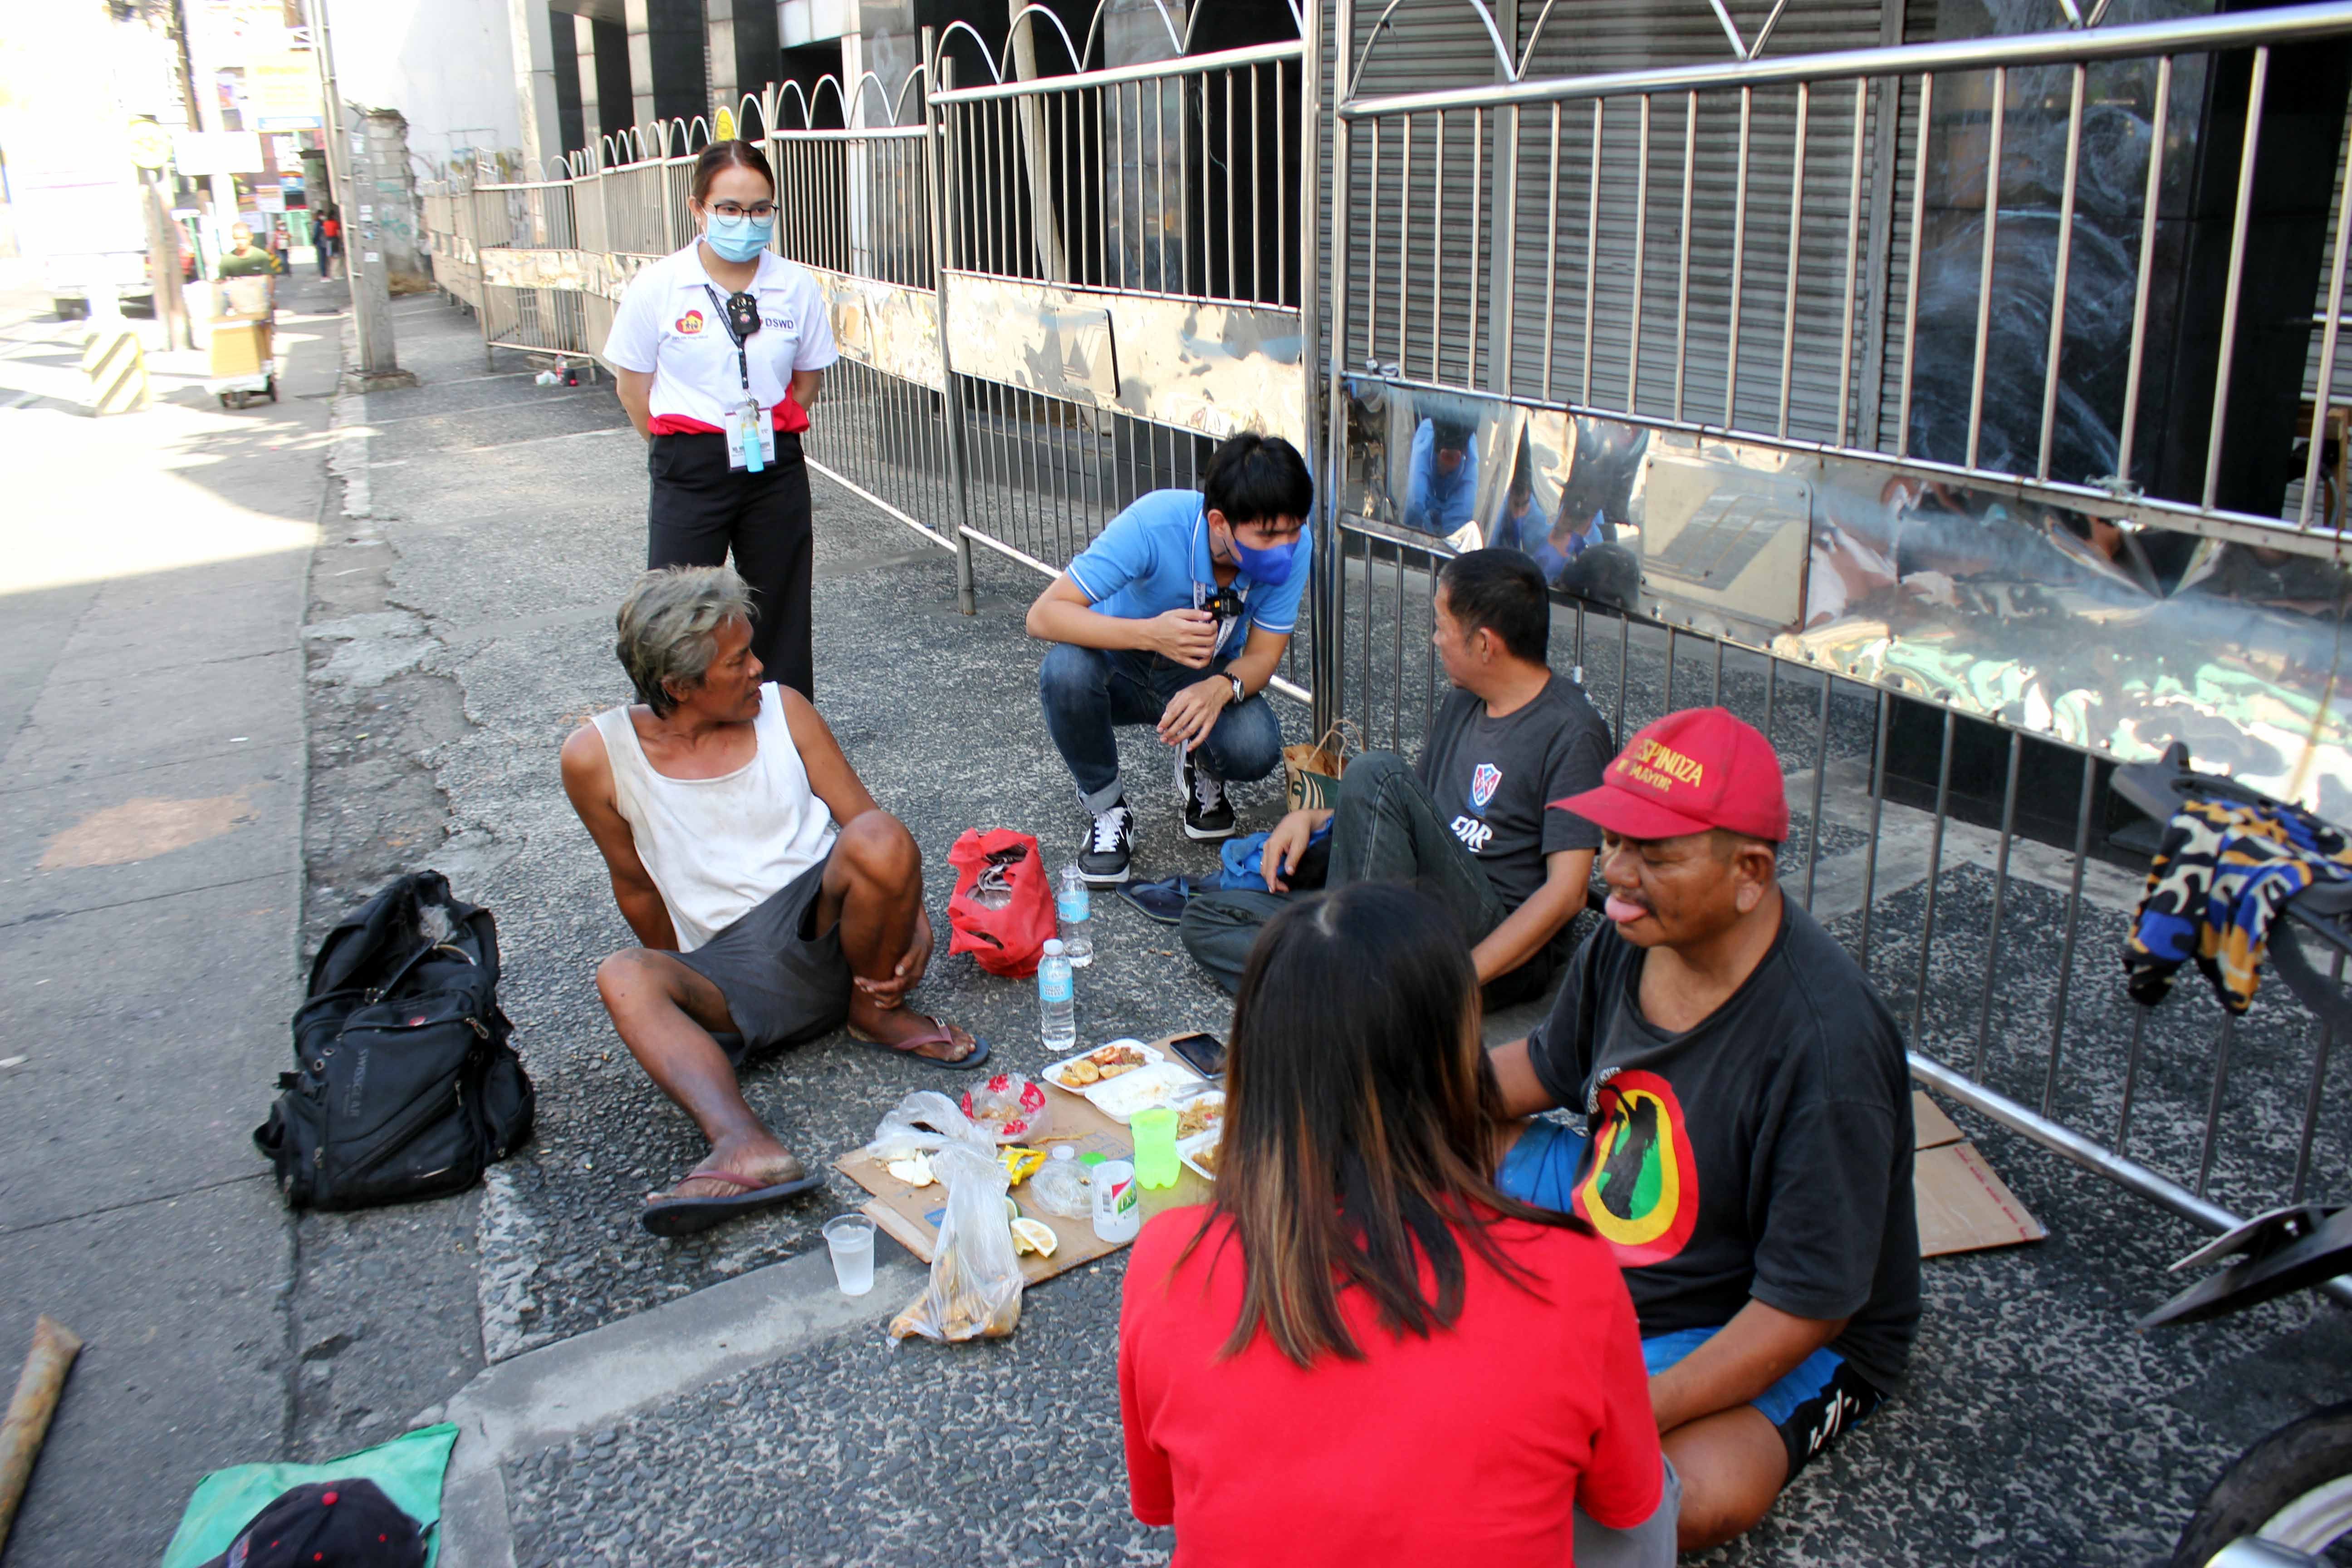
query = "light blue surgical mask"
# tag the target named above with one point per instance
(738, 239)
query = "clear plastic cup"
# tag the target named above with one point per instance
(1155, 1146)
(850, 1239)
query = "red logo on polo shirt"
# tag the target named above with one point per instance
(691, 323)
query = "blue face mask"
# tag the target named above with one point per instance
(740, 238)
(1270, 567)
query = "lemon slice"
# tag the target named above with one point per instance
(1034, 1235)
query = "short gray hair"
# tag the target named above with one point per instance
(667, 627)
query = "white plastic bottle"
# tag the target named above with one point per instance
(1057, 999)
(1074, 906)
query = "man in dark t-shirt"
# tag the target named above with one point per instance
(1468, 823)
(1749, 1112)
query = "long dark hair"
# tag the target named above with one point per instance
(722, 154)
(1360, 1123)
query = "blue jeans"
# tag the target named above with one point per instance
(1821, 1398)
(1386, 829)
(1088, 692)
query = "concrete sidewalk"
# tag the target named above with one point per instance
(152, 585)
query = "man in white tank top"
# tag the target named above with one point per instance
(774, 899)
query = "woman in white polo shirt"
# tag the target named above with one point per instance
(718, 351)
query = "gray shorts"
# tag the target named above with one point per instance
(784, 984)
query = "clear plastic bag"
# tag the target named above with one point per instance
(923, 1124)
(1061, 1187)
(975, 1287)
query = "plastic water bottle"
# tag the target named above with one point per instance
(1056, 999)
(1076, 906)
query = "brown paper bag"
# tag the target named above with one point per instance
(1310, 774)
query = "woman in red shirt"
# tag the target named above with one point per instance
(1361, 1351)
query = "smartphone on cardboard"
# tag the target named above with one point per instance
(1205, 1054)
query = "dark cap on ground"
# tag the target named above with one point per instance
(328, 1524)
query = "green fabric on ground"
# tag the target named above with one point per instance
(409, 1469)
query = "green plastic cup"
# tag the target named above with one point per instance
(1155, 1146)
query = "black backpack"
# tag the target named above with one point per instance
(403, 1085)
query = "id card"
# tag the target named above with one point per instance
(751, 437)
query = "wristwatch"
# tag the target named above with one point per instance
(1240, 696)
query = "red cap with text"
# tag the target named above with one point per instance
(1699, 768)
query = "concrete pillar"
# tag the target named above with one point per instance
(392, 231)
(719, 24)
(532, 29)
(583, 63)
(743, 53)
(665, 60)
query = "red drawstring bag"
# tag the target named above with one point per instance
(1003, 909)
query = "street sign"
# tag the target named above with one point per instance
(151, 144)
(282, 88)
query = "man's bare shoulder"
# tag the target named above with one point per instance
(585, 761)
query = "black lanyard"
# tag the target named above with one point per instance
(743, 359)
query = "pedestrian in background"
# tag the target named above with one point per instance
(1361, 1351)
(719, 352)
(331, 232)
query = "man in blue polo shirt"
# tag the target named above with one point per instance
(1177, 616)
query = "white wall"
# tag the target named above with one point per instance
(447, 65)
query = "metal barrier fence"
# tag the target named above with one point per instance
(1792, 420)
(1800, 416)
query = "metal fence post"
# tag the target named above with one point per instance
(1325, 619)
(950, 399)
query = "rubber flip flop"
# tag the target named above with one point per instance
(939, 1035)
(685, 1216)
(1164, 901)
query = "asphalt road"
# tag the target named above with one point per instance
(458, 628)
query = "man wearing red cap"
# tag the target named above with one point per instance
(1748, 1114)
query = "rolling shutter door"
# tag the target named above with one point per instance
(1629, 35)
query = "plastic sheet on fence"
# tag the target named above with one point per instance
(1189, 363)
(2117, 638)
(889, 326)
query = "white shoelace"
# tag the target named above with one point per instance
(1208, 791)
(1109, 827)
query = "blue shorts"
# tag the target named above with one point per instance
(1810, 1406)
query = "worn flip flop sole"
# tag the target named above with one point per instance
(977, 1053)
(689, 1216)
(1164, 901)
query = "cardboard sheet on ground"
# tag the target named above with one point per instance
(1963, 1207)
(910, 1215)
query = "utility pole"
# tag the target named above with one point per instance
(205, 114)
(352, 173)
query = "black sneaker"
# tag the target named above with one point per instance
(1208, 815)
(1109, 847)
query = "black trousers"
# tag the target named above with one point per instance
(701, 510)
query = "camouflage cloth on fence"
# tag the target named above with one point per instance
(2222, 873)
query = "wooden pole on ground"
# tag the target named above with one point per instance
(54, 1348)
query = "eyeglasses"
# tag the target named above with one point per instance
(737, 209)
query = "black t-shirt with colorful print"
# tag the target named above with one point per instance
(1766, 1152)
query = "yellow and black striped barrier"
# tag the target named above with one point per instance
(117, 368)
